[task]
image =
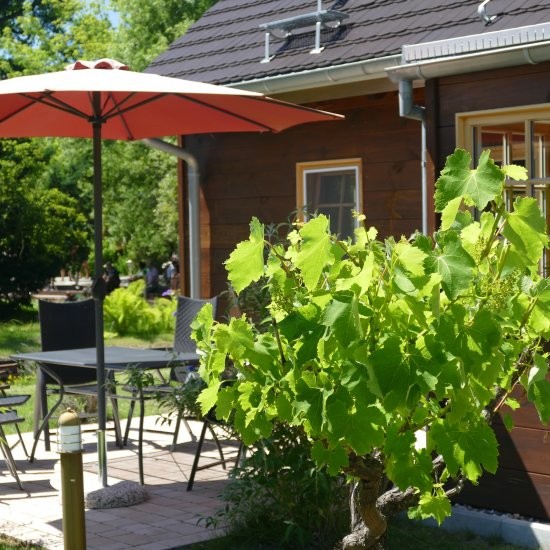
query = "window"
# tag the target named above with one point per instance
(514, 136)
(332, 188)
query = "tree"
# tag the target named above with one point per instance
(40, 229)
(373, 343)
(43, 229)
(148, 28)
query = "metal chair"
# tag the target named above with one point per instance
(9, 416)
(187, 310)
(65, 325)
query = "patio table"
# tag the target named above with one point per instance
(117, 359)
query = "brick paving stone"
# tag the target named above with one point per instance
(167, 519)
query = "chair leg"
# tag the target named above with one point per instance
(197, 457)
(218, 445)
(41, 407)
(181, 418)
(140, 436)
(116, 420)
(129, 418)
(10, 462)
(21, 441)
(45, 426)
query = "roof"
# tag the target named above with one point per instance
(227, 45)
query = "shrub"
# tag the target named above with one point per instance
(277, 498)
(127, 313)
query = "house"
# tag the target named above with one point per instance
(414, 80)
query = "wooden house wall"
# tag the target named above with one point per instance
(246, 175)
(522, 482)
(496, 89)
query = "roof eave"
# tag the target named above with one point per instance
(348, 73)
(525, 54)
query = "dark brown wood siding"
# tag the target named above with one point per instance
(246, 175)
(522, 482)
(497, 89)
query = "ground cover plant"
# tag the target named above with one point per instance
(373, 342)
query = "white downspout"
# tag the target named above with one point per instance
(407, 109)
(193, 206)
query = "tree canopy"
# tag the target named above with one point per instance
(140, 208)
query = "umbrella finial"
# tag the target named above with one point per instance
(98, 64)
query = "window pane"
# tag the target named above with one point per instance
(333, 192)
(541, 139)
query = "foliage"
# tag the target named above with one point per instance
(373, 341)
(277, 498)
(39, 229)
(128, 313)
(182, 398)
(140, 202)
(148, 28)
(44, 35)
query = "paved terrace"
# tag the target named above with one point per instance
(166, 520)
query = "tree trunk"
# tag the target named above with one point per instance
(368, 525)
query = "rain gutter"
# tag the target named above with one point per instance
(524, 54)
(349, 73)
(193, 186)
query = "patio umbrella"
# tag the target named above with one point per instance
(105, 100)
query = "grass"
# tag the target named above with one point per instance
(23, 335)
(403, 534)
(8, 543)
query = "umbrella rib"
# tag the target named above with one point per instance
(116, 110)
(226, 111)
(51, 101)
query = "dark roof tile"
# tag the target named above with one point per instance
(227, 44)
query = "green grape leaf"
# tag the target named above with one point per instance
(525, 228)
(252, 428)
(508, 421)
(341, 316)
(518, 173)
(208, 398)
(225, 403)
(539, 394)
(202, 324)
(308, 404)
(477, 187)
(405, 465)
(455, 266)
(315, 252)
(436, 506)
(334, 459)
(234, 338)
(391, 372)
(469, 447)
(364, 428)
(411, 258)
(246, 263)
(448, 216)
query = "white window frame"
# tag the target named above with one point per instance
(467, 125)
(303, 169)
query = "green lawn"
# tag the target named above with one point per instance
(402, 534)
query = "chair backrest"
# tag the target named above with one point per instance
(67, 325)
(187, 310)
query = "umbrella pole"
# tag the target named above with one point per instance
(99, 293)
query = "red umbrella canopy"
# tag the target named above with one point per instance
(136, 105)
